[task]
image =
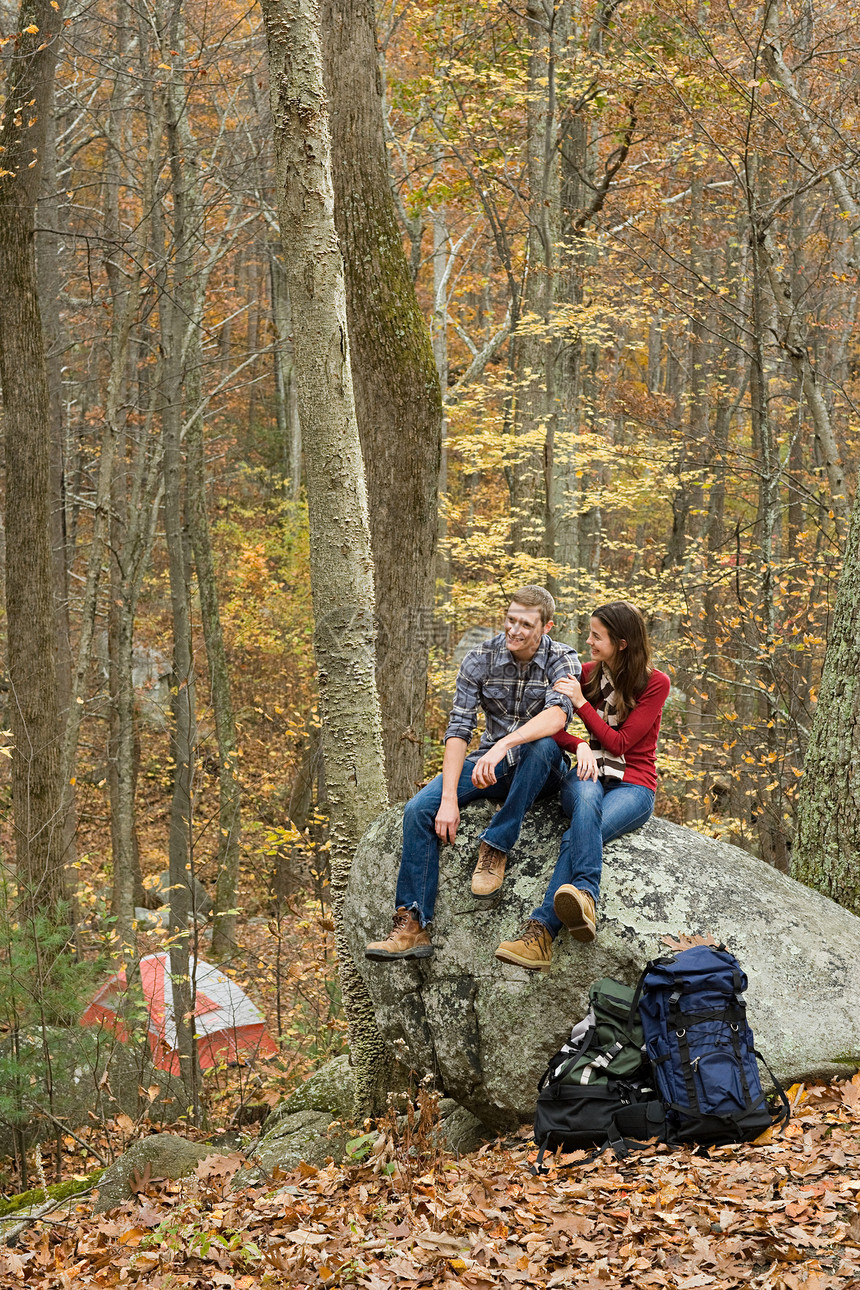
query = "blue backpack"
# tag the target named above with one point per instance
(702, 1049)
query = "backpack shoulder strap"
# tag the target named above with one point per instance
(785, 1115)
(640, 986)
(564, 1066)
(614, 1141)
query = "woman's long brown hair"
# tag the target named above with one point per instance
(633, 667)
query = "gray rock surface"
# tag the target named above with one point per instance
(199, 898)
(331, 1088)
(460, 1130)
(472, 637)
(168, 1155)
(486, 1029)
(309, 1124)
(313, 1123)
(311, 1136)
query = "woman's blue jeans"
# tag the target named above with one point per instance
(599, 811)
(538, 772)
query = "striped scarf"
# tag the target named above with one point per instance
(609, 765)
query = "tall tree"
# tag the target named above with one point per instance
(397, 394)
(49, 251)
(36, 788)
(826, 853)
(136, 472)
(341, 561)
(174, 315)
(191, 277)
(536, 406)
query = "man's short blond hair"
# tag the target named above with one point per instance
(532, 597)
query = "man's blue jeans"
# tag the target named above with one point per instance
(599, 811)
(539, 772)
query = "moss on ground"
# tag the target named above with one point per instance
(57, 1191)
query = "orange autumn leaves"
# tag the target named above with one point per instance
(779, 1216)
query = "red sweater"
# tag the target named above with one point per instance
(635, 738)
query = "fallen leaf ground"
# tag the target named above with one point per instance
(779, 1214)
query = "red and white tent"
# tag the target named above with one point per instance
(228, 1026)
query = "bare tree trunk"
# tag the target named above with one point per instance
(173, 320)
(286, 403)
(184, 733)
(127, 890)
(135, 509)
(48, 252)
(769, 823)
(229, 809)
(810, 131)
(793, 341)
(442, 265)
(136, 485)
(532, 517)
(36, 787)
(120, 329)
(184, 729)
(574, 534)
(341, 561)
(189, 283)
(826, 853)
(397, 393)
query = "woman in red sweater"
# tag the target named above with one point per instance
(611, 790)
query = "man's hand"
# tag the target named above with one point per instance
(484, 773)
(447, 821)
(586, 762)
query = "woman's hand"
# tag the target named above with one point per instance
(571, 689)
(586, 762)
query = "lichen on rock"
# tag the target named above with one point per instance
(167, 1155)
(485, 1030)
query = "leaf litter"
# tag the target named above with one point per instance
(780, 1214)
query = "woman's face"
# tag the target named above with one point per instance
(600, 644)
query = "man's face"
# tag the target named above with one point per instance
(523, 630)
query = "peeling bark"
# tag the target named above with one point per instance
(398, 399)
(826, 854)
(36, 787)
(341, 561)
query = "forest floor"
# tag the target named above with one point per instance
(780, 1214)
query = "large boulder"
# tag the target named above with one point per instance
(485, 1030)
(309, 1125)
(315, 1122)
(166, 1155)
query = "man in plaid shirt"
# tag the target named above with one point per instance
(510, 677)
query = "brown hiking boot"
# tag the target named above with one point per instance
(489, 871)
(533, 950)
(406, 940)
(575, 908)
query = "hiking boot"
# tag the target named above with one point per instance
(406, 940)
(489, 871)
(533, 950)
(575, 908)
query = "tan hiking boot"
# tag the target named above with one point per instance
(533, 950)
(406, 940)
(489, 871)
(575, 908)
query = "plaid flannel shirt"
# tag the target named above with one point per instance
(508, 692)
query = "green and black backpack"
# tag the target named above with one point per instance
(596, 1091)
